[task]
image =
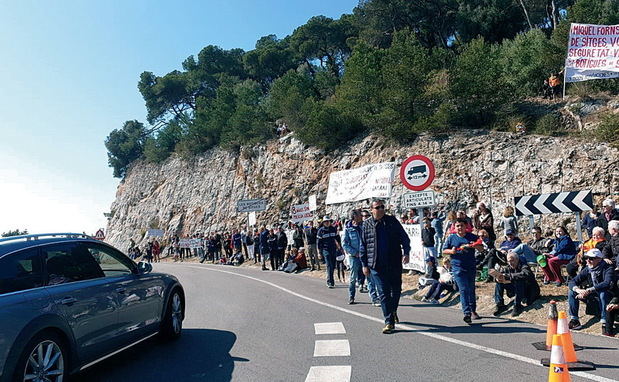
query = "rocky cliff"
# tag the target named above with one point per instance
(200, 195)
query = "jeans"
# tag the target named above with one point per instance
(389, 288)
(355, 266)
(330, 260)
(465, 279)
(372, 288)
(437, 288)
(602, 298)
(515, 288)
(438, 244)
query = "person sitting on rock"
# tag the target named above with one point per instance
(612, 309)
(516, 279)
(445, 282)
(597, 241)
(594, 285)
(611, 250)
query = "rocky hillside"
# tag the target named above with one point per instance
(200, 195)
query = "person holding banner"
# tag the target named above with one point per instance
(461, 246)
(384, 247)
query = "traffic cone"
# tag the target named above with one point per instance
(558, 371)
(551, 328)
(573, 363)
(566, 338)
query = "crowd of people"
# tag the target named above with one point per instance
(372, 246)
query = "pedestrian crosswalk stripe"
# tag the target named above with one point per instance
(329, 328)
(329, 374)
(331, 348)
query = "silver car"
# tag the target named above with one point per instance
(68, 301)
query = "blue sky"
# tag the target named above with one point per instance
(68, 76)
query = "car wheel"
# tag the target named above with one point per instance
(173, 321)
(44, 358)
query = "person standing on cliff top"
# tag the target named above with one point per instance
(384, 247)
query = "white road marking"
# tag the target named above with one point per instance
(329, 328)
(420, 331)
(329, 374)
(331, 348)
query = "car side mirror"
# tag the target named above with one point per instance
(144, 267)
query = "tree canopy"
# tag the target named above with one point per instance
(391, 67)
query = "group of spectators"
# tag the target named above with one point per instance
(371, 246)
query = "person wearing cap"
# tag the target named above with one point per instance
(328, 242)
(599, 276)
(608, 213)
(384, 247)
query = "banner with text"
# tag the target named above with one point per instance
(300, 213)
(371, 181)
(415, 260)
(593, 52)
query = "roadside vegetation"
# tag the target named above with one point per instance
(395, 68)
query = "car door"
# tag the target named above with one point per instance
(83, 296)
(139, 295)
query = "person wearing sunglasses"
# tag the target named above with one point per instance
(599, 278)
(384, 247)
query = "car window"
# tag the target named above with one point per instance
(21, 271)
(112, 262)
(70, 262)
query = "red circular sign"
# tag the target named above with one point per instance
(417, 173)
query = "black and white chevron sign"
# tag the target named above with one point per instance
(574, 201)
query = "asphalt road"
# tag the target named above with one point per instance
(243, 324)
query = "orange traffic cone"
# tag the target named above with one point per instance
(558, 371)
(563, 331)
(551, 328)
(566, 338)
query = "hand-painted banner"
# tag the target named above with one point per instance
(371, 181)
(300, 213)
(593, 52)
(415, 260)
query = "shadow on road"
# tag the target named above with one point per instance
(200, 354)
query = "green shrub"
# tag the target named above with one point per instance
(608, 129)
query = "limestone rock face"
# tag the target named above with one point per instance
(200, 195)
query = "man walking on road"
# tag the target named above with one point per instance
(310, 240)
(328, 244)
(384, 247)
(352, 243)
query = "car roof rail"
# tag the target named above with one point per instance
(38, 236)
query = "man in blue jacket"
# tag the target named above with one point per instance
(598, 277)
(384, 247)
(352, 245)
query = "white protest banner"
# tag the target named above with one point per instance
(252, 219)
(593, 52)
(415, 260)
(371, 181)
(155, 232)
(250, 205)
(300, 213)
(313, 204)
(190, 243)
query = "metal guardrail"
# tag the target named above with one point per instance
(39, 236)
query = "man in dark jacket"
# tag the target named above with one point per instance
(328, 242)
(310, 233)
(517, 280)
(384, 247)
(611, 249)
(282, 244)
(264, 246)
(598, 279)
(608, 213)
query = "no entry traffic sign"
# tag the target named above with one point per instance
(417, 173)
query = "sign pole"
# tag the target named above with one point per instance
(578, 227)
(531, 222)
